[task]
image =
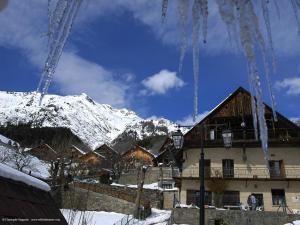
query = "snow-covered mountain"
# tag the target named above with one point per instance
(92, 122)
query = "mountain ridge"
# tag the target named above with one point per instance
(92, 122)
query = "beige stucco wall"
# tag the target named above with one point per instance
(254, 165)
(292, 189)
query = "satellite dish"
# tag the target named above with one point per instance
(3, 4)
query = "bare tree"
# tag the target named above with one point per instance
(142, 174)
(22, 160)
(4, 156)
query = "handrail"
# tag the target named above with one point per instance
(256, 172)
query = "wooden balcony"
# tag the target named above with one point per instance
(244, 173)
(246, 138)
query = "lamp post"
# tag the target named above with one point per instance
(202, 187)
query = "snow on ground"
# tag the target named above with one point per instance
(92, 217)
(158, 217)
(297, 222)
(10, 173)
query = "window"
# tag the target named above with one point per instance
(193, 197)
(276, 169)
(278, 196)
(231, 198)
(228, 168)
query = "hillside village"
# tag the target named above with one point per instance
(149, 178)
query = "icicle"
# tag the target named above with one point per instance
(266, 15)
(61, 21)
(247, 43)
(183, 10)
(164, 10)
(253, 104)
(227, 12)
(261, 43)
(196, 50)
(277, 8)
(294, 6)
(204, 14)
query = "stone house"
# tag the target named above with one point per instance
(234, 161)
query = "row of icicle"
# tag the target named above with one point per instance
(61, 15)
(243, 26)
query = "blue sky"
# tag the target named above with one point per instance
(121, 54)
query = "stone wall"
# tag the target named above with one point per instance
(231, 217)
(152, 175)
(81, 199)
(169, 198)
(125, 193)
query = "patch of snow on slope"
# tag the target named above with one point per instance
(10, 173)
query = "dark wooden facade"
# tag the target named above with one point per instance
(230, 114)
(43, 152)
(111, 156)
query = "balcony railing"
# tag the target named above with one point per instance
(256, 172)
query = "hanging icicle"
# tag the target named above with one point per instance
(183, 10)
(196, 50)
(296, 8)
(164, 10)
(60, 24)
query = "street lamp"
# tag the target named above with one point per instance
(227, 138)
(177, 138)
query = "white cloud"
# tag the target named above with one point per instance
(189, 121)
(75, 75)
(160, 83)
(291, 85)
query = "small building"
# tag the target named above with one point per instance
(92, 158)
(26, 200)
(111, 156)
(137, 156)
(43, 152)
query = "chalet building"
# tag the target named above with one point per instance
(237, 169)
(26, 200)
(111, 156)
(137, 156)
(92, 158)
(76, 152)
(43, 152)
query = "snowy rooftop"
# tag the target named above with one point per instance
(10, 173)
